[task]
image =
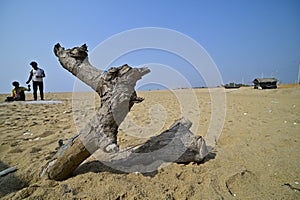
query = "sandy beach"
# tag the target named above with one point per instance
(256, 157)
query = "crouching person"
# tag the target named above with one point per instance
(18, 92)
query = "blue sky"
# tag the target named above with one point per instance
(245, 38)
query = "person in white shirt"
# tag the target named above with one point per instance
(36, 75)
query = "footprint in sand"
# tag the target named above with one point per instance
(243, 184)
(46, 133)
(16, 150)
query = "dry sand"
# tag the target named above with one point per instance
(256, 157)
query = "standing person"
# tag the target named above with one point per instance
(37, 75)
(18, 93)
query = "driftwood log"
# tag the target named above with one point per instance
(177, 144)
(116, 90)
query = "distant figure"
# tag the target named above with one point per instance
(37, 75)
(18, 93)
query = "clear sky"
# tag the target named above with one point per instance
(245, 38)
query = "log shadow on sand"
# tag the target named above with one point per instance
(95, 167)
(98, 167)
(10, 182)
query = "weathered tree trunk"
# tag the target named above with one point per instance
(177, 144)
(116, 90)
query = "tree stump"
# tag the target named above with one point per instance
(117, 94)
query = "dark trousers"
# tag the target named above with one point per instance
(36, 85)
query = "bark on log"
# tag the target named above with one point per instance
(76, 61)
(116, 90)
